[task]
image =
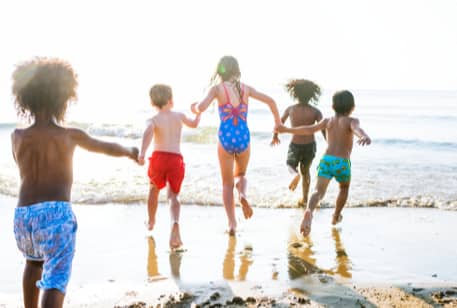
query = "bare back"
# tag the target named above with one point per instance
(232, 93)
(339, 136)
(303, 115)
(167, 131)
(44, 156)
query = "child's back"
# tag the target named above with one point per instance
(167, 131)
(44, 157)
(340, 136)
(300, 115)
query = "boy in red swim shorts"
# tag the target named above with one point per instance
(166, 165)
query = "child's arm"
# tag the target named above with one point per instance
(303, 130)
(89, 143)
(360, 133)
(147, 138)
(284, 117)
(266, 100)
(189, 122)
(318, 119)
(204, 104)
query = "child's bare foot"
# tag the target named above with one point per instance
(337, 218)
(305, 227)
(175, 237)
(247, 209)
(296, 178)
(232, 228)
(293, 184)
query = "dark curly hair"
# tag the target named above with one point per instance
(343, 102)
(228, 70)
(44, 86)
(305, 91)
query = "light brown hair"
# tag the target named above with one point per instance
(160, 94)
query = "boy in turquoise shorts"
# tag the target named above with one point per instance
(340, 131)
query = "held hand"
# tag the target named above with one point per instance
(281, 128)
(365, 140)
(275, 141)
(193, 108)
(141, 161)
(134, 154)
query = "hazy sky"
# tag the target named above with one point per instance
(120, 48)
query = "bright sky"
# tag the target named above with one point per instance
(120, 48)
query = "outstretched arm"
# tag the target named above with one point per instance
(85, 141)
(303, 130)
(266, 100)
(319, 118)
(192, 123)
(204, 104)
(147, 138)
(360, 133)
(284, 117)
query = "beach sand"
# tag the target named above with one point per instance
(382, 257)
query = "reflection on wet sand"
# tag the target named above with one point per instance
(228, 268)
(175, 264)
(302, 261)
(344, 265)
(152, 266)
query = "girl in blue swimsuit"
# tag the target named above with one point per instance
(233, 135)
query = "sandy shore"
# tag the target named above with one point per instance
(377, 257)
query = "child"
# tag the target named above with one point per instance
(302, 148)
(234, 138)
(166, 164)
(44, 223)
(340, 130)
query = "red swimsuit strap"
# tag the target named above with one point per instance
(228, 97)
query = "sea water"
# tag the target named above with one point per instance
(412, 160)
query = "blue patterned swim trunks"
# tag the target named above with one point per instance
(46, 231)
(332, 166)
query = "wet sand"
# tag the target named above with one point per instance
(375, 257)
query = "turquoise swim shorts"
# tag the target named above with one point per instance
(332, 166)
(46, 231)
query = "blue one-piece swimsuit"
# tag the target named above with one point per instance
(233, 130)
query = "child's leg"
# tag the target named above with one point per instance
(292, 165)
(32, 273)
(241, 164)
(175, 206)
(52, 298)
(306, 179)
(316, 197)
(153, 201)
(226, 165)
(340, 202)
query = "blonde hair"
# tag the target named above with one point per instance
(160, 94)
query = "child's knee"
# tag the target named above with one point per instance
(228, 185)
(344, 186)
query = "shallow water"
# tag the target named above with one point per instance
(411, 162)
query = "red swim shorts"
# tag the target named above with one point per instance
(166, 167)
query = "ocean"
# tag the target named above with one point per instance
(411, 162)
